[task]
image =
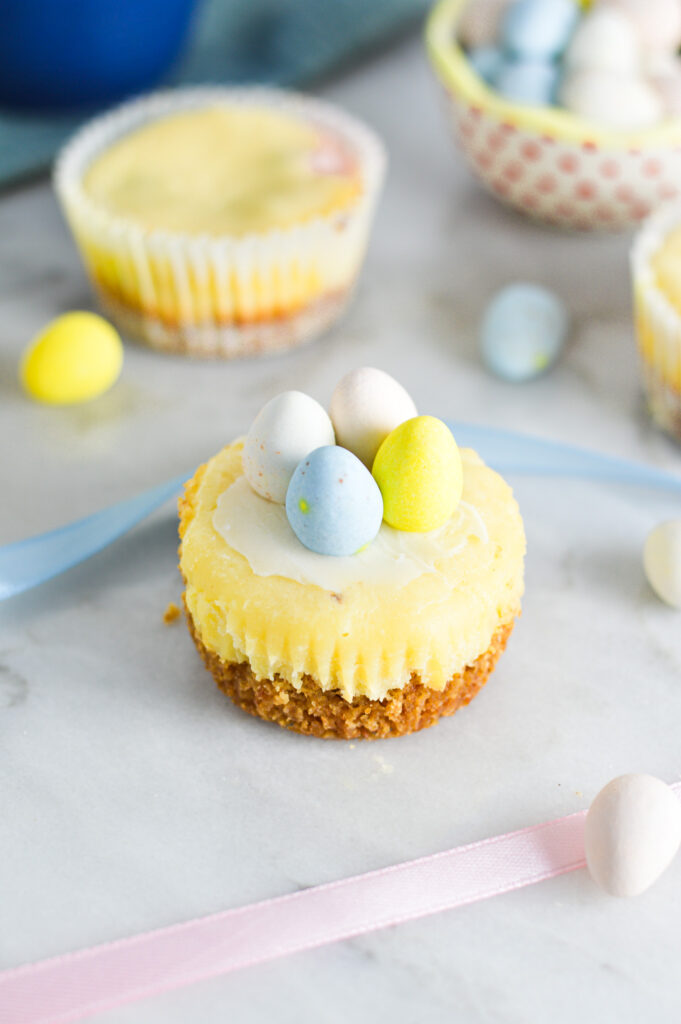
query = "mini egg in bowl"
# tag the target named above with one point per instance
(546, 161)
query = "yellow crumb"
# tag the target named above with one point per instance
(171, 613)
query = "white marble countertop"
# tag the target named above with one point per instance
(133, 795)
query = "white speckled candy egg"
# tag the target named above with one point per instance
(285, 430)
(604, 40)
(662, 561)
(538, 29)
(632, 833)
(523, 331)
(657, 22)
(532, 82)
(366, 406)
(480, 21)
(333, 503)
(611, 100)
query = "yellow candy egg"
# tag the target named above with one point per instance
(418, 470)
(76, 357)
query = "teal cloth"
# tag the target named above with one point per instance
(286, 42)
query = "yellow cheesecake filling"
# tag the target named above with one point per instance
(224, 171)
(372, 635)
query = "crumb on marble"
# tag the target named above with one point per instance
(383, 766)
(171, 614)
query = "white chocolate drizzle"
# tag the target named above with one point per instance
(259, 531)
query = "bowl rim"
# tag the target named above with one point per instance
(454, 70)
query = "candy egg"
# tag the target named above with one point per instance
(533, 83)
(662, 561)
(332, 503)
(283, 432)
(366, 405)
(418, 469)
(611, 100)
(487, 62)
(539, 29)
(632, 833)
(75, 358)
(480, 21)
(657, 22)
(604, 40)
(667, 81)
(523, 331)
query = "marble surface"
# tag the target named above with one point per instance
(132, 795)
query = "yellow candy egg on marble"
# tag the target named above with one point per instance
(418, 470)
(75, 358)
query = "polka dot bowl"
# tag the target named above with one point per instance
(550, 164)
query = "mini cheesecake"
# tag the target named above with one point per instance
(381, 643)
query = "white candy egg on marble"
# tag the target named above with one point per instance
(604, 40)
(632, 833)
(662, 561)
(657, 22)
(612, 100)
(285, 430)
(480, 21)
(366, 406)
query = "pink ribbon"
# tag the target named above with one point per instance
(66, 988)
(69, 987)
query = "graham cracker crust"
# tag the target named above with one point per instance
(228, 340)
(328, 715)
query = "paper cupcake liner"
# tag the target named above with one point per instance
(220, 296)
(658, 324)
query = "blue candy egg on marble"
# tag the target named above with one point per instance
(539, 29)
(523, 331)
(333, 503)
(533, 82)
(487, 62)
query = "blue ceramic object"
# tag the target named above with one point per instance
(333, 503)
(523, 331)
(69, 54)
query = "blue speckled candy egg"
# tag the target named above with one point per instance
(487, 62)
(523, 331)
(333, 503)
(532, 82)
(539, 29)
